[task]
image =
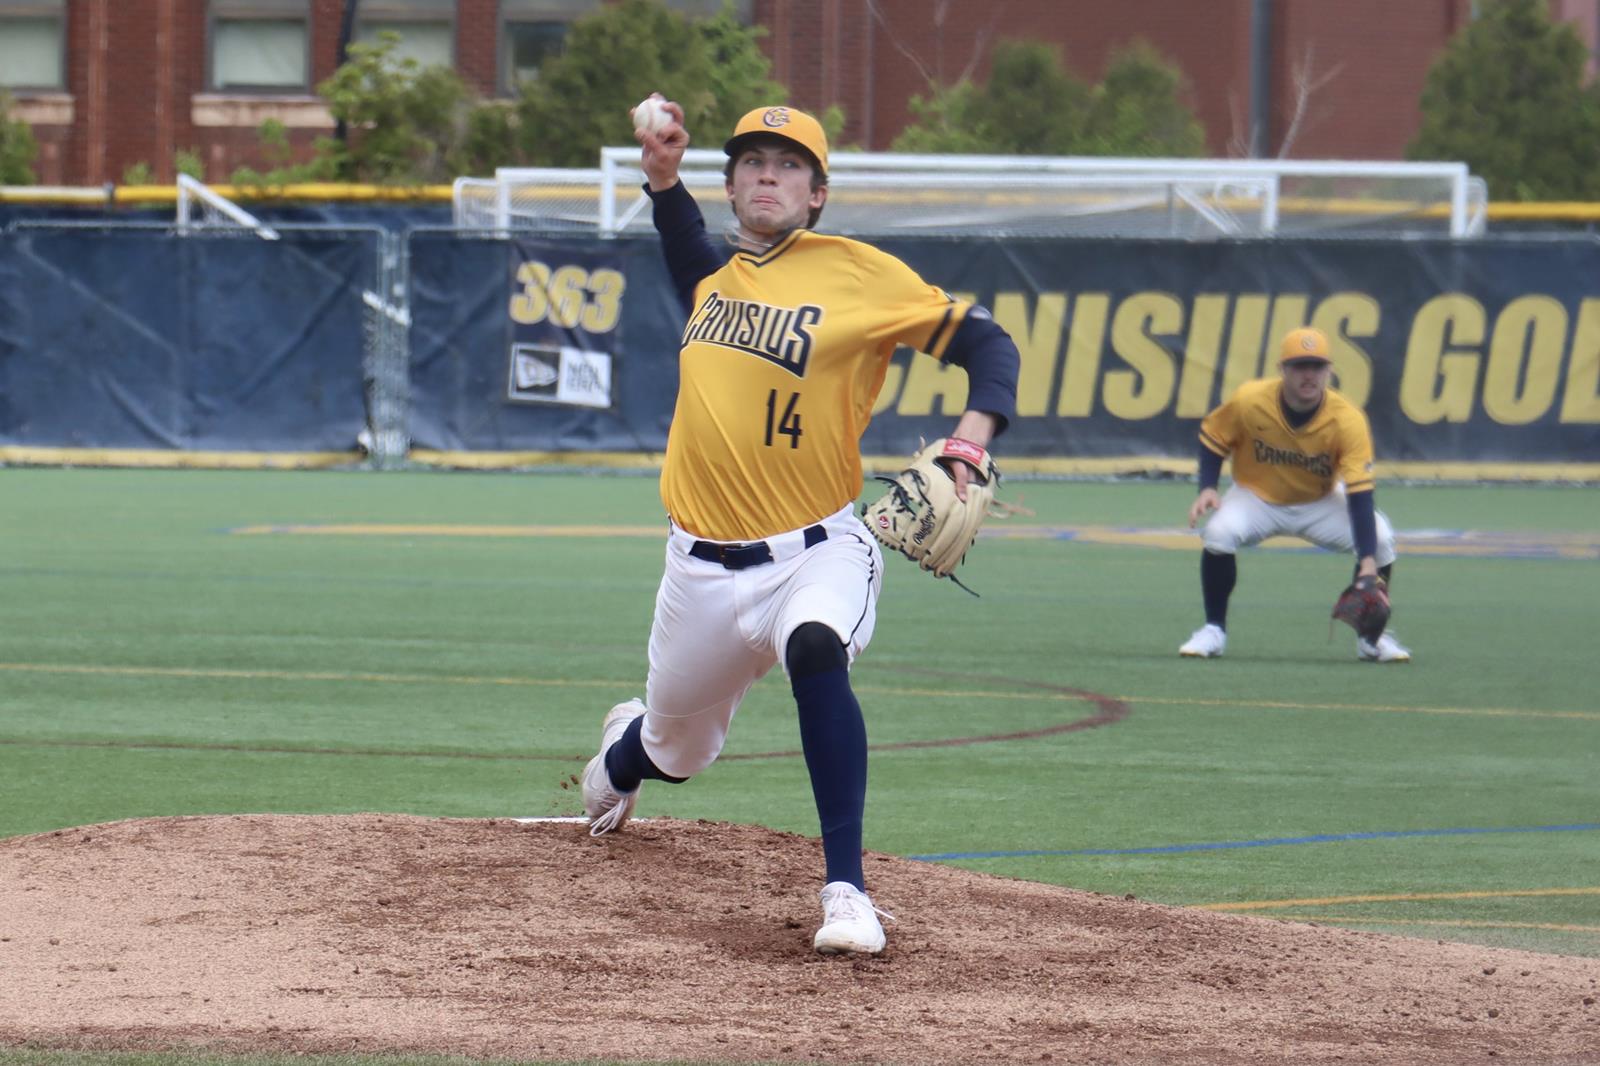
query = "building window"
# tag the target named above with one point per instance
(425, 27)
(532, 32)
(33, 37)
(529, 45)
(260, 45)
(704, 9)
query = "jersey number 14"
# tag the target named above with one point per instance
(788, 423)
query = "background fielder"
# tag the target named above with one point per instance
(1302, 466)
(786, 346)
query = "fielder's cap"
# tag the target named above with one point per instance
(787, 123)
(1304, 345)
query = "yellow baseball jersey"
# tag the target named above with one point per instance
(1280, 463)
(779, 366)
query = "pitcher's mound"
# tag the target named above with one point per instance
(678, 940)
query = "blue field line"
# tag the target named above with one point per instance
(1268, 842)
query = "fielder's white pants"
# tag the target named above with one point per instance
(718, 631)
(1244, 519)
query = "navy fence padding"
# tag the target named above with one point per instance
(137, 338)
(1484, 351)
(462, 336)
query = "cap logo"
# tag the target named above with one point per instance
(1308, 342)
(775, 117)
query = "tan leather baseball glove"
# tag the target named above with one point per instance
(922, 518)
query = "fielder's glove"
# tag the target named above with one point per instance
(1364, 607)
(922, 518)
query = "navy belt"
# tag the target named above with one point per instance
(744, 556)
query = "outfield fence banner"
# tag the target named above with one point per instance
(1485, 351)
(132, 338)
(566, 344)
(481, 344)
(1481, 351)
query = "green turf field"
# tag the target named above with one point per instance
(192, 642)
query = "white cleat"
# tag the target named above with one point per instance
(1208, 642)
(607, 808)
(849, 921)
(1385, 650)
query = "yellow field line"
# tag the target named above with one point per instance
(1479, 712)
(1044, 696)
(651, 461)
(1554, 545)
(658, 530)
(162, 458)
(1405, 897)
(1021, 465)
(1459, 923)
(291, 675)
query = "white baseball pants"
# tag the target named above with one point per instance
(718, 631)
(1244, 519)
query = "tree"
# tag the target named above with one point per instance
(405, 120)
(406, 124)
(740, 74)
(18, 149)
(272, 138)
(621, 54)
(1507, 98)
(488, 140)
(1032, 105)
(1138, 111)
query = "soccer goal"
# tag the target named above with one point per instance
(202, 208)
(888, 193)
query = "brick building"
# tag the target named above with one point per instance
(1364, 60)
(107, 84)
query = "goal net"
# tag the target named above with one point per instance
(880, 194)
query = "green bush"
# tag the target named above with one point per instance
(409, 124)
(1032, 105)
(1507, 97)
(579, 103)
(18, 149)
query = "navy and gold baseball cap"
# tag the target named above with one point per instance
(785, 122)
(1304, 345)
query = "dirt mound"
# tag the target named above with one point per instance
(677, 940)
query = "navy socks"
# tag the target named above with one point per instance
(628, 765)
(833, 736)
(1218, 573)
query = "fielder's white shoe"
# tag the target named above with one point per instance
(607, 808)
(849, 921)
(1385, 650)
(1208, 642)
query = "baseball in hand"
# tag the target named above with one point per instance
(651, 115)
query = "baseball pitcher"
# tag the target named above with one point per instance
(786, 346)
(1302, 466)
